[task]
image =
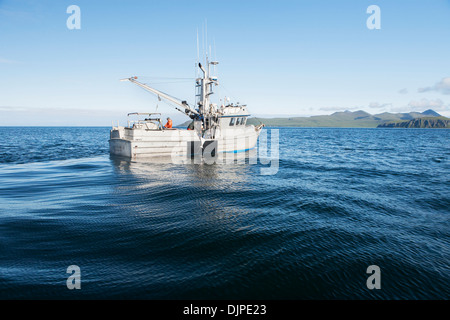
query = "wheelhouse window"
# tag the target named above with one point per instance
(232, 121)
(243, 120)
(238, 121)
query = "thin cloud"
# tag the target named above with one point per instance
(442, 86)
(372, 105)
(338, 108)
(377, 105)
(403, 91)
(7, 61)
(18, 14)
(50, 111)
(424, 104)
(424, 89)
(400, 109)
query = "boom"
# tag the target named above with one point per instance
(187, 110)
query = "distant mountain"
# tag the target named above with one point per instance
(431, 113)
(345, 119)
(425, 122)
(355, 119)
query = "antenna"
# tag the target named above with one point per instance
(198, 57)
(206, 38)
(215, 55)
(198, 52)
(203, 41)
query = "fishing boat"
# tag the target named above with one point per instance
(214, 129)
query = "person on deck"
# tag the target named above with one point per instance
(168, 124)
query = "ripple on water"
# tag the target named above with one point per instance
(342, 199)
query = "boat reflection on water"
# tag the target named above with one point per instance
(186, 194)
(229, 172)
(159, 166)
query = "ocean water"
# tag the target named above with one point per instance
(342, 200)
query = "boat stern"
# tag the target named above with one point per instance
(117, 144)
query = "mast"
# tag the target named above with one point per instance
(205, 85)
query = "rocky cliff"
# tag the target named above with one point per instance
(433, 122)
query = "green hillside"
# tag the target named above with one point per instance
(345, 119)
(356, 119)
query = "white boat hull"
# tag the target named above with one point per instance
(143, 143)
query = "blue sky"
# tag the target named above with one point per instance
(278, 57)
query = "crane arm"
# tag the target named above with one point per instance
(182, 104)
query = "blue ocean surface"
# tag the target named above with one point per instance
(340, 201)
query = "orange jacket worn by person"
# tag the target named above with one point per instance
(168, 124)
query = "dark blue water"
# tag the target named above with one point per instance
(342, 199)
